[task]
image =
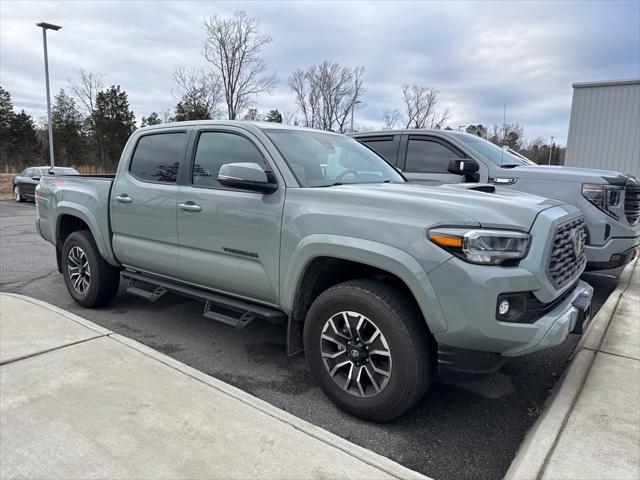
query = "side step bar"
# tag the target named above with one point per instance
(232, 311)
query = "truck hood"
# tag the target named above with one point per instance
(455, 204)
(568, 174)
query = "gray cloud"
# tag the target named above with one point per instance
(478, 54)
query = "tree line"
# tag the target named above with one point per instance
(91, 123)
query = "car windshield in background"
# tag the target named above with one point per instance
(324, 159)
(499, 156)
(61, 171)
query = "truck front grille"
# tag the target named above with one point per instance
(567, 256)
(632, 204)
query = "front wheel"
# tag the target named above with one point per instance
(90, 280)
(17, 195)
(369, 349)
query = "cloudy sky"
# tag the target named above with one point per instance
(480, 55)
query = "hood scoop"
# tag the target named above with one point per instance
(486, 188)
(476, 187)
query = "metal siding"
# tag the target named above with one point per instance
(604, 130)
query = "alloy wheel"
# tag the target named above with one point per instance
(356, 354)
(79, 271)
(16, 194)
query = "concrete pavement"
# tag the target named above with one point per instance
(78, 401)
(591, 426)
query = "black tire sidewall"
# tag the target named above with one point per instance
(80, 239)
(401, 346)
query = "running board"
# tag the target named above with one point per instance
(228, 310)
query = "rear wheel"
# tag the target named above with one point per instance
(17, 195)
(369, 349)
(90, 280)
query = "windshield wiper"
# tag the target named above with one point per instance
(511, 165)
(335, 184)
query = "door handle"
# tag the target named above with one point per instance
(190, 207)
(124, 198)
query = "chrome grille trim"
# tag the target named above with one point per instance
(564, 266)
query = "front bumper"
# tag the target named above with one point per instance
(613, 254)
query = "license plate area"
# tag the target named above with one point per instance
(583, 304)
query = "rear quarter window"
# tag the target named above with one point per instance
(157, 157)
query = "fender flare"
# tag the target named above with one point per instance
(83, 213)
(375, 254)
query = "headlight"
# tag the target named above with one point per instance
(603, 196)
(486, 247)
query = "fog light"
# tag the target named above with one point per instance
(504, 307)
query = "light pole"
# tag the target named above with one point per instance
(48, 26)
(550, 150)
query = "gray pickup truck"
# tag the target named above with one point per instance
(609, 201)
(381, 282)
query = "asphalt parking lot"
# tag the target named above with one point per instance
(464, 428)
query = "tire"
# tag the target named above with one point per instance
(80, 255)
(17, 195)
(408, 365)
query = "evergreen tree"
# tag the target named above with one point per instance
(273, 116)
(186, 111)
(68, 139)
(19, 144)
(152, 119)
(114, 123)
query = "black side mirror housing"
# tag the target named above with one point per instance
(463, 166)
(36, 178)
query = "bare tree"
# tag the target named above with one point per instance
(233, 47)
(86, 88)
(199, 93)
(289, 118)
(390, 119)
(438, 119)
(327, 95)
(420, 103)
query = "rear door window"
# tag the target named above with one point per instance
(157, 157)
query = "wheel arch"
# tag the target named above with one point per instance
(321, 261)
(72, 219)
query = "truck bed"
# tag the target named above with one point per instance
(83, 196)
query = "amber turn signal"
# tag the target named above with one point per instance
(445, 240)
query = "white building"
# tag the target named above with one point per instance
(604, 130)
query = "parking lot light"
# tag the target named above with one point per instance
(48, 26)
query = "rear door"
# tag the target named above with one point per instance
(427, 158)
(229, 238)
(143, 204)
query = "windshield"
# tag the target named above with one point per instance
(61, 171)
(499, 156)
(320, 159)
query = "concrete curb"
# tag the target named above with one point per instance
(60, 311)
(538, 445)
(367, 456)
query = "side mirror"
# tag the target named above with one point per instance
(36, 178)
(463, 166)
(247, 176)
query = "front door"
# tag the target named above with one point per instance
(143, 205)
(229, 239)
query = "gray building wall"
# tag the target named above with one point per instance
(604, 130)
